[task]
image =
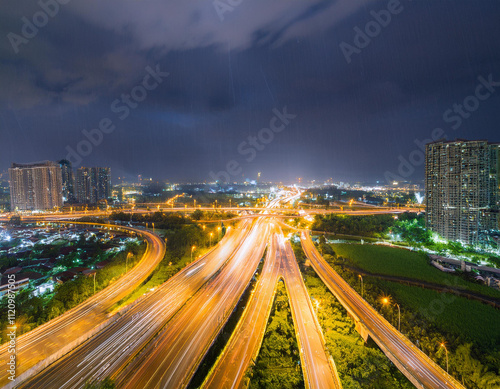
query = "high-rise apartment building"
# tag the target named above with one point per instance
(93, 184)
(68, 181)
(462, 189)
(35, 186)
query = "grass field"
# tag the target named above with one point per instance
(476, 321)
(403, 263)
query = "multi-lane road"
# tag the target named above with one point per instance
(413, 363)
(246, 339)
(243, 346)
(109, 351)
(318, 367)
(171, 360)
(160, 340)
(46, 341)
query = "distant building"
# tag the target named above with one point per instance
(93, 184)
(35, 186)
(68, 181)
(462, 189)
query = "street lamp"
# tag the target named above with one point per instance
(192, 249)
(94, 281)
(211, 239)
(387, 301)
(446, 350)
(218, 230)
(126, 262)
(361, 280)
(399, 317)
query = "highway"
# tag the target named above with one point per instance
(48, 339)
(413, 363)
(243, 346)
(247, 337)
(318, 367)
(109, 351)
(160, 340)
(172, 358)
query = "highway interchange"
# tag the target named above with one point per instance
(160, 340)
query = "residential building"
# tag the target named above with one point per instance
(93, 184)
(462, 189)
(68, 181)
(35, 186)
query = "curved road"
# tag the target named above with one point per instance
(413, 363)
(48, 339)
(110, 350)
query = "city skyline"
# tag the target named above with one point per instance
(250, 194)
(357, 112)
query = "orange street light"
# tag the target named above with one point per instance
(361, 279)
(126, 261)
(446, 350)
(387, 301)
(192, 249)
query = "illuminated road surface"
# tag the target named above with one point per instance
(246, 340)
(47, 339)
(318, 368)
(171, 359)
(244, 345)
(412, 362)
(107, 352)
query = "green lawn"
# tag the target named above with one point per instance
(403, 263)
(476, 321)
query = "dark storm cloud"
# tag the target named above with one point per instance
(226, 76)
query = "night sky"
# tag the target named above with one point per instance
(231, 68)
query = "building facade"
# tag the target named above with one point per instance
(93, 184)
(68, 181)
(462, 189)
(35, 186)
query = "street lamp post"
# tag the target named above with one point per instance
(94, 281)
(386, 301)
(361, 280)
(446, 350)
(211, 239)
(126, 262)
(399, 317)
(192, 249)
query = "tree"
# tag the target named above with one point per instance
(197, 215)
(15, 220)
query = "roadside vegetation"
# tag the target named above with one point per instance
(406, 229)
(106, 384)
(359, 365)
(278, 363)
(33, 309)
(384, 260)
(183, 240)
(468, 329)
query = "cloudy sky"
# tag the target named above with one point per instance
(359, 103)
